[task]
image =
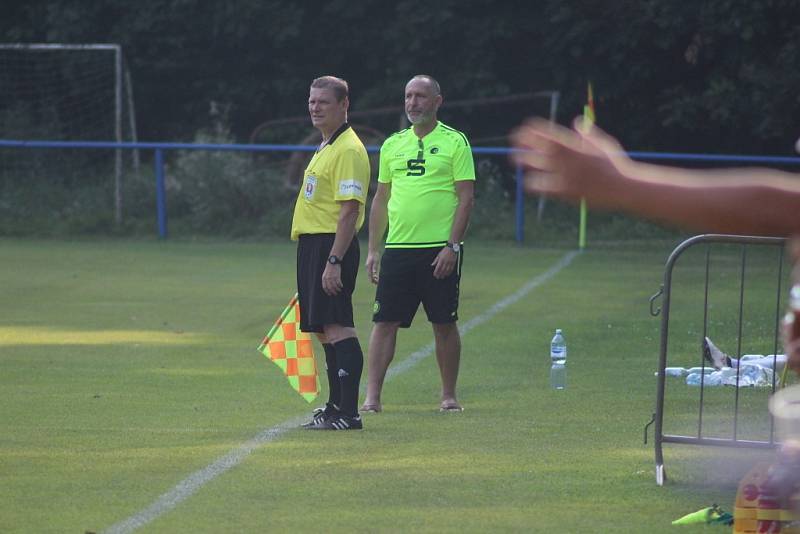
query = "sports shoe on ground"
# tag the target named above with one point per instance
(337, 422)
(715, 357)
(320, 414)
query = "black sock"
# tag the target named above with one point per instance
(332, 369)
(351, 362)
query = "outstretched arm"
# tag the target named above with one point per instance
(575, 164)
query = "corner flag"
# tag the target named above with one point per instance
(292, 351)
(588, 121)
(588, 109)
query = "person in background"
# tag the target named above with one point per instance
(425, 194)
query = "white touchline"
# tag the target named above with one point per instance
(188, 486)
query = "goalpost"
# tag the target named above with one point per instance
(66, 92)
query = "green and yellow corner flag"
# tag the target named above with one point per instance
(588, 109)
(588, 120)
(292, 351)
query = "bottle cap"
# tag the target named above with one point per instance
(558, 330)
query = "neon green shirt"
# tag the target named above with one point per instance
(422, 174)
(337, 172)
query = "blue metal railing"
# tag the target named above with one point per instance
(160, 148)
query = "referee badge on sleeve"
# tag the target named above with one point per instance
(351, 188)
(310, 187)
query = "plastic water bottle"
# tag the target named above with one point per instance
(673, 371)
(694, 379)
(558, 360)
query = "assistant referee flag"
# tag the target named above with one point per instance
(292, 351)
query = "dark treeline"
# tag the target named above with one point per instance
(711, 75)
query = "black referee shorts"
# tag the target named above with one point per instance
(406, 279)
(316, 307)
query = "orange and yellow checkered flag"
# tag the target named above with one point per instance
(292, 351)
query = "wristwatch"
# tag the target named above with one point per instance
(455, 247)
(334, 259)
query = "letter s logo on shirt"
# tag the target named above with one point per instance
(416, 167)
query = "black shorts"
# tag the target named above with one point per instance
(316, 307)
(406, 279)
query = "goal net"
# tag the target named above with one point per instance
(52, 92)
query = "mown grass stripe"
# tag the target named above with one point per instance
(191, 484)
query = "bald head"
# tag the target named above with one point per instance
(429, 80)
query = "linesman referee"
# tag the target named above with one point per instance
(327, 216)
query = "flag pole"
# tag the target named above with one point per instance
(588, 120)
(582, 228)
(278, 322)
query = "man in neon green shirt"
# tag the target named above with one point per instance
(425, 194)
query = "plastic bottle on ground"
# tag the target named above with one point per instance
(558, 360)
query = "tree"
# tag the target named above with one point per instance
(717, 76)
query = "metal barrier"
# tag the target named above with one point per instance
(664, 311)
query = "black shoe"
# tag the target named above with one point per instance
(337, 422)
(320, 414)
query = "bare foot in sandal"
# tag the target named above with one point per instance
(450, 405)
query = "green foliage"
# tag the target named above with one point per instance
(227, 191)
(716, 76)
(493, 213)
(208, 192)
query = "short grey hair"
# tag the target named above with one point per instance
(430, 79)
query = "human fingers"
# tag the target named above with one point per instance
(327, 288)
(443, 270)
(538, 133)
(372, 269)
(541, 183)
(437, 261)
(533, 144)
(442, 265)
(546, 146)
(595, 138)
(331, 284)
(532, 159)
(333, 288)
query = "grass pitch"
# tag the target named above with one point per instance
(127, 366)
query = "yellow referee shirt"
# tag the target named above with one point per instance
(337, 172)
